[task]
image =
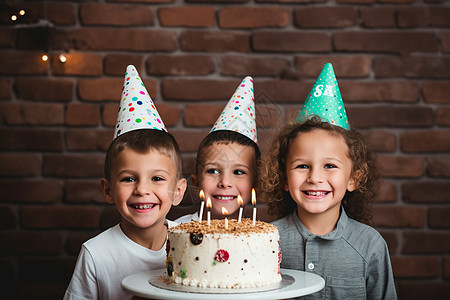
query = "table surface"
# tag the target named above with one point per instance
(304, 284)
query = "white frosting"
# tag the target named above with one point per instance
(253, 259)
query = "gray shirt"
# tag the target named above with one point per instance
(353, 258)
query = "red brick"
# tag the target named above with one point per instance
(31, 114)
(357, 1)
(401, 166)
(54, 217)
(5, 89)
(83, 191)
(88, 140)
(32, 38)
(125, 39)
(45, 89)
(82, 114)
(75, 240)
(80, 166)
(169, 113)
(291, 41)
(426, 289)
(145, 1)
(116, 14)
(20, 164)
(447, 267)
(415, 266)
(188, 162)
(387, 192)
(436, 92)
(110, 217)
(398, 217)
(426, 242)
(392, 91)
(382, 141)
(197, 89)
(427, 192)
(180, 65)
(254, 17)
(30, 139)
(438, 166)
(81, 64)
(23, 63)
(445, 41)
(443, 116)
(7, 38)
(35, 12)
(27, 242)
(109, 115)
(62, 13)
(116, 64)
(254, 66)
(344, 66)
(378, 17)
(438, 217)
(30, 191)
(325, 17)
(100, 89)
(267, 115)
(44, 271)
(388, 116)
(8, 219)
(391, 239)
(187, 16)
(394, 42)
(412, 67)
(195, 116)
(423, 16)
(425, 141)
(282, 91)
(214, 41)
(188, 140)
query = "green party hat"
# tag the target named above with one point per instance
(325, 100)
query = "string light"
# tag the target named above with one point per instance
(44, 57)
(22, 12)
(62, 58)
(14, 18)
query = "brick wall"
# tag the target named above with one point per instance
(391, 57)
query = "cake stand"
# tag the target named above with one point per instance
(151, 284)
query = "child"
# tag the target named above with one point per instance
(143, 180)
(321, 177)
(227, 157)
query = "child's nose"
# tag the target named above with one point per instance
(142, 188)
(315, 175)
(225, 181)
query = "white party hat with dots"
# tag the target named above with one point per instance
(239, 113)
(137, 110)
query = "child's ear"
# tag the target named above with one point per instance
(353, 183)
(179, 191)
(106, 190)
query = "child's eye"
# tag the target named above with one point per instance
(330, 166)
(239, 172)
(302, 167)
(127, 179)
(212, 171)
(157, 178)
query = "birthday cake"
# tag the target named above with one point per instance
(240, 256)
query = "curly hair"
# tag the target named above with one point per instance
(357, 204)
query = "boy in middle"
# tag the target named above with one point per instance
(227, 158)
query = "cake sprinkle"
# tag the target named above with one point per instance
(218, 226)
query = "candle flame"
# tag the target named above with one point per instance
(239, 200)
(224, 211)
(202, 195)
(208, 203)
(253, 197)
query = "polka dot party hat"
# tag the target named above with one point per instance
(239, 113)
(325, 100)
(137, 110)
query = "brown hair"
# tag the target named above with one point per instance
(142, 141)
(357, 204)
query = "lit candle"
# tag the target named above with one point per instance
(254, 205)
(208, 206)
(240, 202)
(225, 212)
(202, 205)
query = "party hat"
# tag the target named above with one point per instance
(325, 100)
(239, 113)
(137, 110)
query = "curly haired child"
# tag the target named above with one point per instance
(320, 177)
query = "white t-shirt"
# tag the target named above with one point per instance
(105, 260)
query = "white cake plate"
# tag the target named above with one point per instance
(294, 284)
